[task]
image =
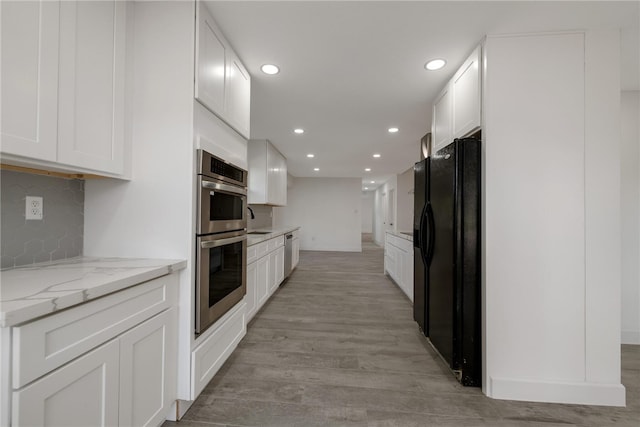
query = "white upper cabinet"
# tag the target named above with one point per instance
(466, 96)
(441, 127)
(211, 66)
(457, 108)
(91, 82)
(30, 78)
(238, 95)
(267, 174)
(63, 76)
(223, 85)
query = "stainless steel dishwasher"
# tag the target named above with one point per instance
(288, 250)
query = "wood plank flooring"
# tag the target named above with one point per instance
(337, 346)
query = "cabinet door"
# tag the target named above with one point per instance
(263, 278)
(252, 290)
(441, 127)
(29, 83)
(81, 393)
(92, 74)
(238, 95)
(148, 371)
(466, 96)
(279, 277)
(211, 67)
(276, 177)
(408, 273)
(273, 190)
(295, 252)
(282, 180)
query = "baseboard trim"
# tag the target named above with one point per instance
(630, 337)
(557, 392)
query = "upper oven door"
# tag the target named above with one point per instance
(223, 207)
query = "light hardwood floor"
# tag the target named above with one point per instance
(337, 346)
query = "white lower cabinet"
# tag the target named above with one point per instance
(82, 393)
(148, 380)
(115, 361)
(398, 262)
(276, 264)
(251, 298)
(295, 252)
(265, 272)
(262, 284)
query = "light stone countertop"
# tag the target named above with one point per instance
(36, 290)
(402, 235)
(254, 239)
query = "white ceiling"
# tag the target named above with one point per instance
(351, 70)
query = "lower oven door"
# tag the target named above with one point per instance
(221, 278)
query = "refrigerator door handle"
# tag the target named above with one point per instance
(418, 236)
(432, 234)
(425, 240)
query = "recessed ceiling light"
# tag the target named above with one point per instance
(270, 69)
(367, 169)
(372, 182)
(298, 131)
(376, 155)
(435, 64)
(316, 169)
(310, 155)
(393, 130)
(366, 188)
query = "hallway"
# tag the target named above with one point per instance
(337, 346)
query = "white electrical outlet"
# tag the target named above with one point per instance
(34, 207)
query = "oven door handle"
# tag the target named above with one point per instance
(221, 242)
(223, 187)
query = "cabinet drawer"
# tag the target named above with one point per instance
(209, 356)
(252, 254)
(262, 249)
(45, 344)
(275, 243)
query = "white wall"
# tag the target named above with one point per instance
(367, 211)
(630, 205)
(328, 212)
(551, 218)
(404, 198)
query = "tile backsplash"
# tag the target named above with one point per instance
(263, 217)
(58, 235)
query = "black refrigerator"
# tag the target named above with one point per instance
(447, 255)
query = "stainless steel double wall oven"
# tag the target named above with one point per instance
(221, 238)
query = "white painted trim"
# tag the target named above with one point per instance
(557, 392)
(631, 337)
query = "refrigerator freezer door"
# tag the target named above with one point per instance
(419, 268)
(442, 269)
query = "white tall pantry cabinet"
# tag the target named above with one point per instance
(154, 214)
(551, 218)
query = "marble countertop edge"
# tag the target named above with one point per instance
(401, 234)
(33, 291)
(271, 232)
